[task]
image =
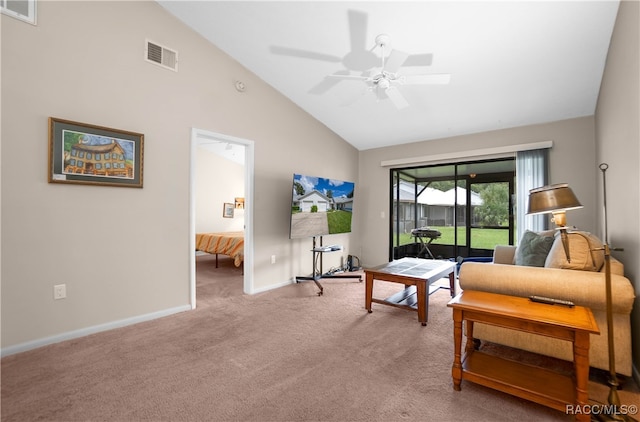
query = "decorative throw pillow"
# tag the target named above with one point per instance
(547, 233)
(533, 249)
(582, 252)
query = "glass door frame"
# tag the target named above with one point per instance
(504, 171)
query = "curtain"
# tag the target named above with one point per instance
(531, 172)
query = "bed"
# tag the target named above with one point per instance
(227, 243)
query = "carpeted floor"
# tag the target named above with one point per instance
(282, 355)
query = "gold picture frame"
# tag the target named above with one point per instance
(94, 155)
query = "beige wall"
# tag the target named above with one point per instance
(124, 253)
(618, 144)
(579, 145)
(217, 180)
(571, 159)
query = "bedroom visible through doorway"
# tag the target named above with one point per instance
(222, 201)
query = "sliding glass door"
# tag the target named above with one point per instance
(445, 211)
(491, 222)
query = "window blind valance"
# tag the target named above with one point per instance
(469, 155)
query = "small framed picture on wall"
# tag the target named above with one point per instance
(227, 210)
(239, 203)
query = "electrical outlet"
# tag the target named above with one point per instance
(59, 291)
(273, 259)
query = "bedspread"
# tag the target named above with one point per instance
(227, 243)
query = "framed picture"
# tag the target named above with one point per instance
(94, 155)
(239, 203)
(227, 211)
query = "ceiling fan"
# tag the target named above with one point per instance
(385, 82)
(362, 59)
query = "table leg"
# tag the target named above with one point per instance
(456, 369)
(452, 283)
(421, 291)
(368, 292)
(470, 346)
(581, 368)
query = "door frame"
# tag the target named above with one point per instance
(461, 171)
(198, 135)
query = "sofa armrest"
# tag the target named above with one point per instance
(617, 267)
(584, 288)
(504, 254)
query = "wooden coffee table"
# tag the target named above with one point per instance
(417, 275)
(539, 385)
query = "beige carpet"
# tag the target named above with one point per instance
(283, 355)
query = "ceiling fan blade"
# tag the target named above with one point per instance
(338, 76)
(332, 80)
(358, 30)
(395, 60)
(396, 97)
(419, 60)
(286, 51)
(345, 77)
(354, 98)
(433, 79)
(326, 84)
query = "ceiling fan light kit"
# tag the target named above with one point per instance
(385, 82)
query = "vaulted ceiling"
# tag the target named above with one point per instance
(511, 63)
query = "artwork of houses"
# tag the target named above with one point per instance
(306, 201)
(103, 159)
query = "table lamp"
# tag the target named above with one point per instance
(554, 199)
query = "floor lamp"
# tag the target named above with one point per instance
(613, 399)
(557, 199)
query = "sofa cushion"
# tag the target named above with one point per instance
(581, 251)
(533, 249)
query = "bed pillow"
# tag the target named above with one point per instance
(533, 249)
(581, 251)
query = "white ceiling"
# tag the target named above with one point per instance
(228, 150)
(512, 63)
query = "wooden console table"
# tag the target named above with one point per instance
(526, 381)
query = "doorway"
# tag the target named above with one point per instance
(198, 138)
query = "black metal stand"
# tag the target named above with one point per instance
(425, 233)
(317, 274)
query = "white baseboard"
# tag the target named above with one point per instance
(272, 286)
(34, 344)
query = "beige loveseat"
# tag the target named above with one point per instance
(584, 288)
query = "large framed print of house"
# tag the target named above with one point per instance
(95, 155)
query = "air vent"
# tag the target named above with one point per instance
(162, 56)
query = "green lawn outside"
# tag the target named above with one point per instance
(339, 221)
(480, 238)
